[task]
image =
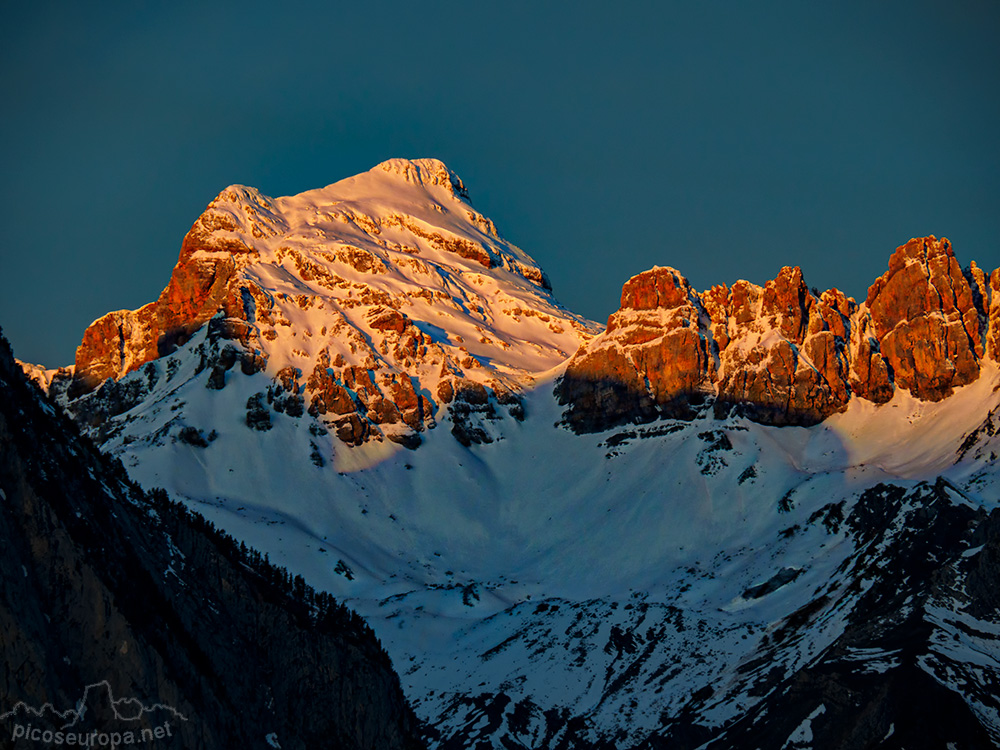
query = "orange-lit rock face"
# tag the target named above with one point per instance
(786, 304)
(776, 352)
(653, 358)
(115, 344)
(210, 256)
(196, 291)
(869, 374)
(378, 288)
(924, 318)
(121, 342)
(783, 361)
(993, 338)
(782, 355)
(980, 287)
(658, 326)
(655, 289)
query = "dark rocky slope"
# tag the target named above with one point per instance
(913, 610)
(104, 582)
(912, 667)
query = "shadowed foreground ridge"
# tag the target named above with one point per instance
(783, 354)
(104, 582)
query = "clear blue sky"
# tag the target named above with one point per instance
(725, 139)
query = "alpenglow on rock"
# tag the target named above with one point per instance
(376, 302)
(782, 354)
(385, 302)
(929, 322)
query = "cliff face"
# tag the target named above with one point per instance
(927, 320)
(782, 354)
(106, 583)
(200, 285)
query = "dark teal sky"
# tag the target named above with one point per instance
(725, 139)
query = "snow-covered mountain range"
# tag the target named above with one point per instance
(746, 517)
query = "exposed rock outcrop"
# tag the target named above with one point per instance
(115, 344)
(993, 335)
(653, 359)
(870, 375)
(416, 288)
(783, 361)
(200, 285)
(782, 354)
(775, 353)
(928, 327)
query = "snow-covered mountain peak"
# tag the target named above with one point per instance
(425, 172)
(382, 303)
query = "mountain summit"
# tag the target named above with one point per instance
(385, 299)
(753, 516)
(379, 297)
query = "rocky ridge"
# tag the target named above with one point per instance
(784, 354)
(384, 303)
